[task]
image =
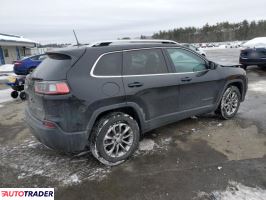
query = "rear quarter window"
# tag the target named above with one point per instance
(109, 65)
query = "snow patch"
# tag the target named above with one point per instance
(258, 86)
(31, 159)
(146, 145)
(256, 42)
(235, 191)
(5, 95)
(6, 68)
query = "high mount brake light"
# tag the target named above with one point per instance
(51, 87)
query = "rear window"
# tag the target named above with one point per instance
(109, 65)
(54, 67)
(148, 61)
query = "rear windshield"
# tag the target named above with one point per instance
(54, 67)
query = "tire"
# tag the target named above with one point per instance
(110, 130)
(230, 103)
(22, 95)
(244, 67)
(14, 94)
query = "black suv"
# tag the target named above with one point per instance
(104, 97)
(253, 56)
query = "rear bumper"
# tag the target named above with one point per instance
(56, 138)
(247, 61)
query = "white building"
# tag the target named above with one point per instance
(14, 47)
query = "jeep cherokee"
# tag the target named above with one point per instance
(104, 97)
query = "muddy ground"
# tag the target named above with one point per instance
(197, 158)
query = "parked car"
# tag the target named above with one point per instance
(253, 56)
(194, 48)
(28, 64)
(105, 97)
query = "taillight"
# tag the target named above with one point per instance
(48, 124)
(51, 87)
(17, 63)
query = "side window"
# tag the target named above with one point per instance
(42, 57)
(146, 61)
(185, 61)
(34, 58)
(109, 65)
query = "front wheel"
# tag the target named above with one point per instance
(230, 103)
(115, 138)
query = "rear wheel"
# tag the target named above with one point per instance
(230, 103)
(115, 138)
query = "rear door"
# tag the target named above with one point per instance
(149, 84)
(198, 85)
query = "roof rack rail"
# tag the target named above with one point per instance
(140, 41)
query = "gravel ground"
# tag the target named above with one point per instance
(197, 158)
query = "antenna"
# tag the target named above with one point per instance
(78, 44)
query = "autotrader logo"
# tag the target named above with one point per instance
(27, 193)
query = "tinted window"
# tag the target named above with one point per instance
(42, 57)
(149, 61)
(185, 61)
(34, 57)
(109, 65)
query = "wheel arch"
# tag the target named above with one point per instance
(239, 83)
(131, 109)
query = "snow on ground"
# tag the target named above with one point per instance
(257, 86)
(5, 95)
(31, 159)
(6, 68)
(146, 145)
(235, 191)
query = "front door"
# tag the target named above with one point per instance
(199, 86)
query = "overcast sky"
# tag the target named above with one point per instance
(52, 21)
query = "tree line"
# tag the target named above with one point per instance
(219, 32)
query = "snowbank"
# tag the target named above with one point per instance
(6, 68)
(5, 95)
(256, 42)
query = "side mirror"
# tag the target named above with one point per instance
(212, 65)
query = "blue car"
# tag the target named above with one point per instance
(28, 64)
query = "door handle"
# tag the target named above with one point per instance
(186, 79)
(135, 84)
